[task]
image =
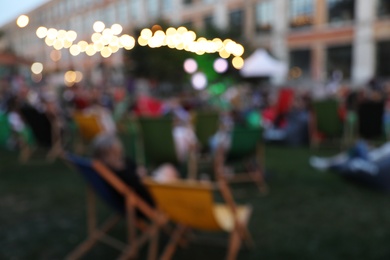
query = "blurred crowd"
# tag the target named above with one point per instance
(283, 113)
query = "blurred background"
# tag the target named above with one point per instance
(296, 89)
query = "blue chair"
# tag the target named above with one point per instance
(124, 202)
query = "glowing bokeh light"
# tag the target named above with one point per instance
(52, 33)
(190, 66)
(90, 50)
(79, 77)
(238, 62)
(74, 50)
(55, 55)
(221, 65)
(22, 21)
(199, 81)
(49, 42)
(146, 33)
(106, 52)
(83, 45)
(96, 37)
(67, 44)
(62, 34)
(41, 32)
(70, 76)
(37, 68)
(116, 29)
(98, 26)
(71, 35)
(58, 45)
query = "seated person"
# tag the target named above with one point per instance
(361, 164)
(108, 150)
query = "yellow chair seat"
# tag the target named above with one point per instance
(224, 216)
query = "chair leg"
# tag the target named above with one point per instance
(171, 247)
(234, 245)
(153, 247)
(25, 153)
(93, 237)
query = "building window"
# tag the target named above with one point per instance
(153, 8)
(167, 5)
(382, 59)
(134, 9)
(187, 2)
(384, 8)
(301, 13)
(122, 11)
(264, 16)
(110, 15)
(236, 22)
(300, 61)
(341, 10)
(339, 59)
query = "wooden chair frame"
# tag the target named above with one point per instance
(132, 202)
(239, 234)
(54, 152)
(252, 175)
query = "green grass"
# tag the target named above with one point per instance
(307, 215)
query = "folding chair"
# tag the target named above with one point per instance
(246, 150)
(5, 131)
(325, 120)
(89, 127)
(107, 185)
(206, 125)
(190, 205)
(370, 120)
(158, 145)
(46, 134)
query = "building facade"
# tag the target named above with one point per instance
(315, 37)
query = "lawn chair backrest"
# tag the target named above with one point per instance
(328, 121)
(206, 125)
(98, 184)
(285, 100)
(39, 124)
(188, 203)
(5, 130)
(244, 142)
(370, 115)
(88, 125)
(157, 140)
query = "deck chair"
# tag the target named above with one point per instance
(158, 145)
(325, 120)
(246, 150)
(45, 131)
(206, 125)
(105, 184)
(89, 127)
(5, 131)
(370, 120)
(190, 205)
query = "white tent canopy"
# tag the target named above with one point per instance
(261, 64)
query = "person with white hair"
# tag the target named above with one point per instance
(108, 149)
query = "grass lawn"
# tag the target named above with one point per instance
(307, 215)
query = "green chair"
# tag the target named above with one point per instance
(206, 125)
(158, 146)
(5, 131)
(325, 120)
(25, 138)
(246, 151)
(157, 140)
